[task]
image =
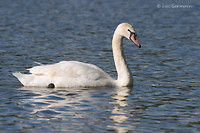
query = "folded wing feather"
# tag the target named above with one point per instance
(73, 69)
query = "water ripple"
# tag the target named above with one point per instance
(165, 94)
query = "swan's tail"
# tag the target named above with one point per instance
(23, 78)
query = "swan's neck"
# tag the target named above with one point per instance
(124, 74)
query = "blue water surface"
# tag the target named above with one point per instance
(166, 92)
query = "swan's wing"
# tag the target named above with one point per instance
(70, 69)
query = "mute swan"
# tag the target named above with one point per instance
(79, 74)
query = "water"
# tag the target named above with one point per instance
(166, 92)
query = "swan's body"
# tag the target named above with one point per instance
(66, 74)
(78, 74)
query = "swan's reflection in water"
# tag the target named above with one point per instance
(82, 106)
(56, 102)
(119, 115)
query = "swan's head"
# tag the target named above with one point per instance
(127, 31)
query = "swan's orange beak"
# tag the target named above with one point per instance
(134, 40)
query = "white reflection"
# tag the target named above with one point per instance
(119, 115)
(70, 103)
(45, 99)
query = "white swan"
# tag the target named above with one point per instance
(78, 74)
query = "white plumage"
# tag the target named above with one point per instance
(66, 74)
(79, 74)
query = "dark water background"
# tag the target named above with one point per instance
(166, 70)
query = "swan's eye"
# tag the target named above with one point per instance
(131, 33)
